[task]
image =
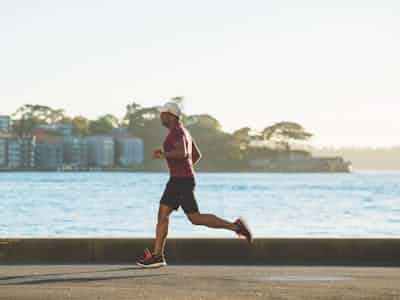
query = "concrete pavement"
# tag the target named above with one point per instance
(127, 281)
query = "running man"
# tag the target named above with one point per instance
(182, 154)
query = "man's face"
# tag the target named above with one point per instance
(164, 119)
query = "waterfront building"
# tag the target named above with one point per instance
(4, 123)
(129, 151)
(100, 151)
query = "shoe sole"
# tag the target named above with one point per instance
(152, 266)
(247, 228)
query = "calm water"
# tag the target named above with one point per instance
(365, 204)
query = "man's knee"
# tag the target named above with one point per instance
(195, 218)
(163, 219)
(163, 214)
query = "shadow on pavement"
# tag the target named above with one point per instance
(74, 279)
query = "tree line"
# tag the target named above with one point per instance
(221, 149)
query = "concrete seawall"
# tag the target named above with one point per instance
(207, 251)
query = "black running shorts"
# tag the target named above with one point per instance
(180, 192)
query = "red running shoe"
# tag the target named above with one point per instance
(151, 260)
(243, 230)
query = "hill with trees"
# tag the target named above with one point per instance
(221, 150)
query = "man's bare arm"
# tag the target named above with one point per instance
(179, 152)
(196, 154)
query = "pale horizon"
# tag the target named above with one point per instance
(333, 67)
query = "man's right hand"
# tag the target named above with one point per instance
(157, 153)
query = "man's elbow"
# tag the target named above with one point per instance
(197, 158)
(184, 155)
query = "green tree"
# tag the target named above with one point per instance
(28, 116)
(243, 136)
(204, 121)
(55, 116)
(42, 113)
(130, 118)
(144, 122)
(221, 150)
(285, 133)
(103, 125)
(80, 126)
(137, 117)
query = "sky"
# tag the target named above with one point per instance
(332, 66)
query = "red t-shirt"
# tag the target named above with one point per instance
(179, 167)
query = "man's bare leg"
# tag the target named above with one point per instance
(162, 229)
(210, 220)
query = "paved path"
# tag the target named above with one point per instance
(197, 282)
